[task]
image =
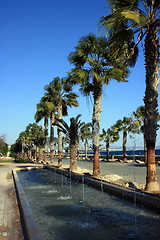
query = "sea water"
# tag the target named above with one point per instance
(69, 210)
(139, 152)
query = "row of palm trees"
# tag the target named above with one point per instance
(34, 137)
(98, 60)
(54, 104)
(126, 125)
(30, 142)
(92, 69)
(129, 23)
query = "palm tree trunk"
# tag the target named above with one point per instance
(151, 104)
(25, 154)
(23, 146)
(52, 138)
(40, 154)
(124, 145)
(107, 149)
(96, 126)
(37, 149)
(145, 149)
(29, 153)
(86, 148)
(73, 156)
(46, 139)
(60, 148)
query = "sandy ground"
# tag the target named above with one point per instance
(111, 178)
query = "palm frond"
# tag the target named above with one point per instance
(114, 73)
(62, 125)
(86, 89)
(139, 18)
(123, 5)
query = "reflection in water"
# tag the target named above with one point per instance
(66, 210)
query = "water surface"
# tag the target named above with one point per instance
(66, 210)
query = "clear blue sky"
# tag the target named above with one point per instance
(36, 39)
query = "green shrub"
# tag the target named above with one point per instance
(22, 160)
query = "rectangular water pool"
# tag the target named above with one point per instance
(67, 210)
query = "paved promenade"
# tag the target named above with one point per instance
(10, 225)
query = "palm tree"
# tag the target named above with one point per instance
(139, 114)
(29, 138)
(126, 125)
(92, 70)
(33, 137)
(65, 141)
(140, 19)
(109, 136)
(86, 134)
(36, 139)
(3, 145)
(22, 142)
(52, 138)
(63, 98)
(50, 99)
(40, 142)
(26, 140)
(43, 111)
(73, 132)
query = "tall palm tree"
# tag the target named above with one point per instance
(140, 19)
(73, 132)
(63, 97)
(3, 145)
(22, 140)
(86, 134)
(65, 142)
(139, 114)
(50, 98)
(126, 125)
(36, 139)
(30, 133)
(39, 141)
(43, 111)
(52, 138)
(109, 136)
(33, 137)
(93, 69)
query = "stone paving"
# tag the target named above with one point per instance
(4, 203)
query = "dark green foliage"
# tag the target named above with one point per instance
(74, 130)
(22, 160)
(32, 136)
(15, 148)
(93, 63)
(3, 147)
(60, 91)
